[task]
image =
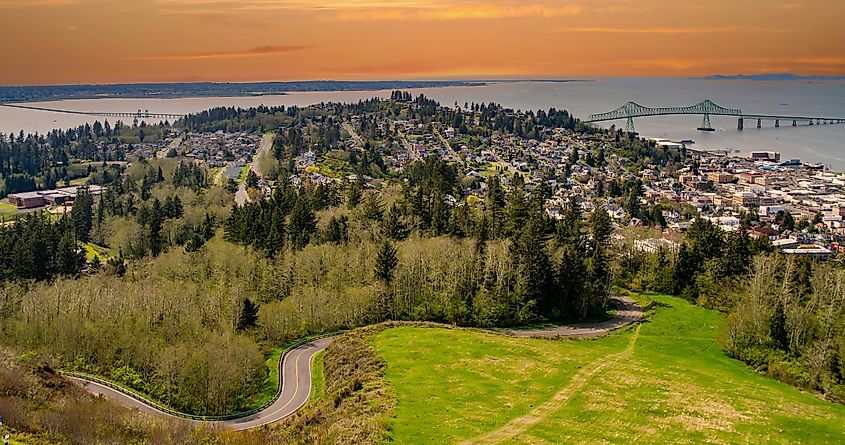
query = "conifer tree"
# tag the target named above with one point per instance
(386, 262)
(372, 209)
(82, 214)
(248, 316)
(302, 223)
(392, 225)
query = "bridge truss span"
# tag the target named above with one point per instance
(705, 108)
(633, 109)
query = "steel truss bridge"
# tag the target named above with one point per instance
(145, 114)
(705, 108)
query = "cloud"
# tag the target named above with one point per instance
(35, 3)
(462, 12)
(254, 52)
(692, 30)
(791, 6)
(821, 60)
(378, 9)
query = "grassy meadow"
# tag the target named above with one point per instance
(666, 381)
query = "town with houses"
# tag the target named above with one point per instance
(729, 190)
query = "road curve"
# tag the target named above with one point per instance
(627, 311)
(295, 373)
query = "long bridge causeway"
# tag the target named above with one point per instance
(145, 114)
(706, 109)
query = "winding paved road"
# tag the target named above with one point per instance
(295, 371)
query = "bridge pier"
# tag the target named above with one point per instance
(740, 124)
(811, 122)
(759, 123)
(629, 125)
(705, 123)
(777, 123)
(794, 123)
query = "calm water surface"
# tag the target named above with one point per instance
(811, 144)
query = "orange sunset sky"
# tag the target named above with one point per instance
(117, 41)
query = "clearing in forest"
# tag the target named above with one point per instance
(665, 380)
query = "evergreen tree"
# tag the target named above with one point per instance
(251, 179)
(571, 284)
(337, 230)
(533, 270)
(777, 328)
(156, 219)
(392, 225)
(517, 212)
(146, 186)
(302, 223)
(82, 214)
(598, 271)
(373, 209)
(353, 196)
(386, 262)
(276, 238)
(248, 316)
(495, 207)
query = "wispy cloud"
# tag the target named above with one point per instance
(379, 9)
(462, 12)
(821, 60)
(691, 30)
(253, 52)
(35, 3)
(791, 6)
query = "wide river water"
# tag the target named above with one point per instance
(823, 143)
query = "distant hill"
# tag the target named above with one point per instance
(771, 76)
(205, 89)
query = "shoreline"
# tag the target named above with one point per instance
(222, 91)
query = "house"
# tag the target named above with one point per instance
(767, 232)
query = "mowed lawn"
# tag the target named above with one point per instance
(668, 382)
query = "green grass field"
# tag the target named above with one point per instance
(664, 382)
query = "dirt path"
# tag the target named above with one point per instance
(519, 425)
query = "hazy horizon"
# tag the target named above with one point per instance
(177, 41)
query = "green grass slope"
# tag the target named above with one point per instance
(664, 382)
